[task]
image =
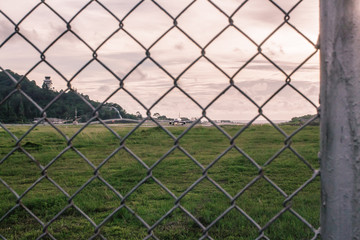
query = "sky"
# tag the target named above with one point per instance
(203, 81)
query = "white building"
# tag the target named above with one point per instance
(48, 82)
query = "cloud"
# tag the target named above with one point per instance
(259, 79)
(6, 29)
(104, 88)
(179, 46)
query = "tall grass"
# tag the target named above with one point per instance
(177, 172)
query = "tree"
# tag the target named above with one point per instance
(138, 115)
(156, 115)
(18, 109)
(163, 117)
(44, 86)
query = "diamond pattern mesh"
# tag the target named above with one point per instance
(202, 43)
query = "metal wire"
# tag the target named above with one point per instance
(287, 203)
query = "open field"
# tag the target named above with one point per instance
(123, 171)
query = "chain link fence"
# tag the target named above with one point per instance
(175, 81)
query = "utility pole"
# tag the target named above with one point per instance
(340, 119)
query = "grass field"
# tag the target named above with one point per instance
(177, 172)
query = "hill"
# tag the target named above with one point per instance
(303, 119)
(18, 109)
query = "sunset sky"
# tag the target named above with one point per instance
(175, 52)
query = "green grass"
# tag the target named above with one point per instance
(177, 172)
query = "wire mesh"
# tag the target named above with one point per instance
(122, 140)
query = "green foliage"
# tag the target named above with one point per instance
(303, 119)
(162, 117)
(18, 109)
(159, 116)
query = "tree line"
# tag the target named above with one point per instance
(18, 109)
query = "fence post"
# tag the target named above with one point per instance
(340, 118)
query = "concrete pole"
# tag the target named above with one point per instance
(340, 119)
